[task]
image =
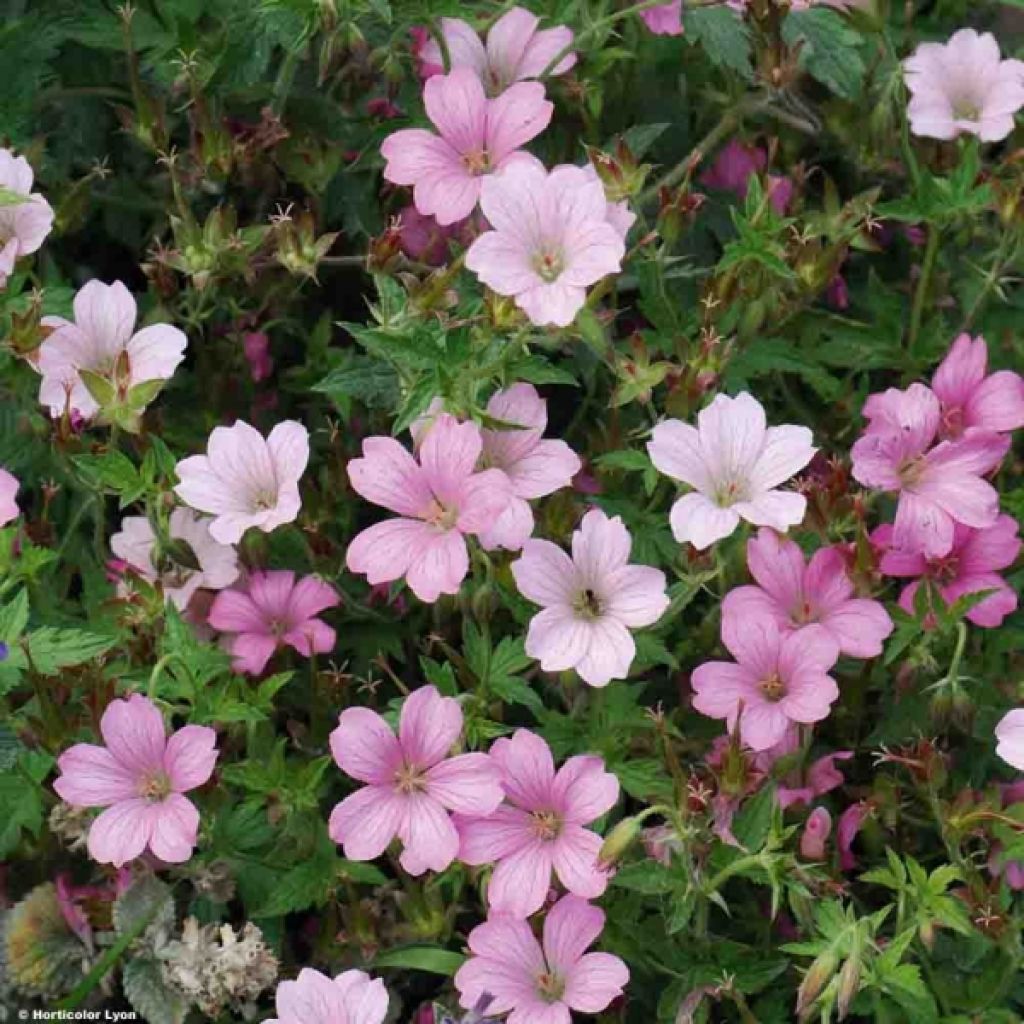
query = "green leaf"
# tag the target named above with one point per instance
(14, 617)
(723, 36)
(647, 876)
(154, 1001)
(362, 379)
(830, 49)
(422, 958)
(112, 471)
(51, 649)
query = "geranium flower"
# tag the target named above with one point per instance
(733, 168)
(25, 225)
(938, 486)
(540, 827)
(851, 821)
(246, 480)
(139, 777)
(411, 782)
(664, 19)
(1010, 738)
(535, 466)
(778, 678)
(274, 610)
(815, 834)
(8, 491)
(590, 601)
(794, 595)
(551, 239)
(971, 566)
(541, 982)
(352, 997)
(963, 87)
(971, 398)
(215, 565)
(440, 498)
(735, 463)
(476, 137)
(516, 50)
(102, 341)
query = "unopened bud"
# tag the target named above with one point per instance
(819, 974)
(618, 841)
(849, 983)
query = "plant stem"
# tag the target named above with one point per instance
(931, 253)
(1004, 255)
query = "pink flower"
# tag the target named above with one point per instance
(515, 50)
(353, 997)
(535, 467)
(139, 777)
(244, 480)
(540, 827)
(850, 823)
(422, 238)
(8, 490)
(23, 226)
(551, 239)
(793, 595)
(256, 345)
(271, 612)
(476, 137)
(733, 168)
(820, 778)
(963, 86)
(411, 783)
(665, 19)
(938, 486)
(590, 601)
(619, 215)
(735, 463)
(135, 543)
(541, 982)
(968, 398)
(779, 678)
(815, 834)
(440, 498)
(1010, 738)
(102, 340)
(970, 566)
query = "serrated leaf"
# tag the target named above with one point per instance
(723, 36)
(51, 649)
(152, 999)
(829, 49)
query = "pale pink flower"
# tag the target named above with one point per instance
(971, 566)
(733, 168)
(963, 86)
(139, 777)
(619, 215)
(815, 834)
(590, 601)
(440, 498)
(256, 346)
(352, 997)
(217, 563)
(476, 137)
(551, 239)
(938, 486)
(540, 827)
(665, 19)
(850, 823)
(1010, 738)
(516, 50)
(541, 982)
(246, 480)
(969, 397)
(273, 610)
(411, 782)
(9, 510)
(794, 595)
(778, 678)
(23, 226)
(736, 464)
(534, 465)
(102, 340)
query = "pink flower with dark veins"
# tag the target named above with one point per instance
(541, 826)
(352, 997)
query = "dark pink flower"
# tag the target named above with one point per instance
(850, 823)
(815, 834)
(732, 170)
(256, 345)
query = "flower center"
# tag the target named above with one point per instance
(155, 787)
(546, 824)
(910, 471)
(803, 613)
(477, 161)
(952, 421)
(773, 689)
(728, 494)
(587, 604)
(410, 779)
(550, 986)
(549, 265)
(966, 110)
(440, 516)
(263, 501)
(944, 570)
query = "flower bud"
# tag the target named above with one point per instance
(618, 841)
(849, 983)
(817, 977)
(816, 833)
